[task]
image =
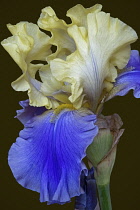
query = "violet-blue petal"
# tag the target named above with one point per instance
(88, 200)
(80, 201)
(47, 156)
(91, 194)
(134, 60)
(129, 79)
(28, 111)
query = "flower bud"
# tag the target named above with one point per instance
(102, 152)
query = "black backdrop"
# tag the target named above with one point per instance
(125, 182)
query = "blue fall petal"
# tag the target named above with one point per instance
(47, 156)
(28, 111)
(129, 79)
(80, 201)
(88, 200)
(134, 60)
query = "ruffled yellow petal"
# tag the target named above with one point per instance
(18, 48)
(102, 47)
(50, 84)
(20, 84)
(27, 44)
(78, 14)
(48, 20)
(60, 38)
(36, 95)
(52, 87)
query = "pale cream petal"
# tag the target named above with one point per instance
(47, 93)
(63, 98)
(36, 96)
(65, 45)
(48, 20)
(18, 48)
(38, 99)
(100, 49)
(20, 84)
(62, 72)
(51, 86)
(37, 41)
(27, 44)
(60, 38)
(112, 35)
(78, 14)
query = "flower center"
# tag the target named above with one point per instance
(63, 106)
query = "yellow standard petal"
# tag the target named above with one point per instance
(27, 44)
(58, 28)
(102, 46)
(78, 14)
(52, 87)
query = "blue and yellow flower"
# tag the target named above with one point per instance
(93, 62)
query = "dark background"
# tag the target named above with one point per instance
(125, 182)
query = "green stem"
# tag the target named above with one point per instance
(104, 197)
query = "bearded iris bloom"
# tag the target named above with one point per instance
(93, 62)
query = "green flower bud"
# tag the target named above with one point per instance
(102, 152)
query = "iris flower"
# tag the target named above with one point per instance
(93, 62)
